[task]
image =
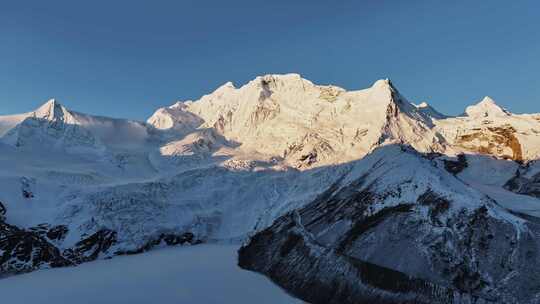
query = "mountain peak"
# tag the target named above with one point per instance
(50, 103)
(225, 87)
(178, 105)
(382, 83)
(385, 87)
(422, 105)
(486, 107)
(488, 100)
(428, 110)
(50, 110)
(384, 91)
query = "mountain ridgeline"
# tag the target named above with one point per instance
(337, 196)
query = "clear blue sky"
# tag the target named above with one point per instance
(127, 58)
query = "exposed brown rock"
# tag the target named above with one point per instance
(494, 141)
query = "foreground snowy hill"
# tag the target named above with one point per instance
(400, 229)
(75, 187)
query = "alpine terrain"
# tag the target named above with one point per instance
(336, 196)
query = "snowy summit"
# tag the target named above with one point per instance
(322, 186)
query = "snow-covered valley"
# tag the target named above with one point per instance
(193, 274)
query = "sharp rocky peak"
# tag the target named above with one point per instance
(387, 88)
(384, 91)
(382, 83)
(51, 110)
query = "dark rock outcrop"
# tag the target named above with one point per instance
(524, 185)
(2, 212)
(27, 250)
(168, 239)
(456, 166)
(52, 233)
(89, 248)
(26, 187)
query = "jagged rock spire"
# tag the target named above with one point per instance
(50, 110)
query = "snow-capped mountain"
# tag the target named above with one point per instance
(54, 126)
(486, 128)
(305, 124)
(312, 125)
(352, 177)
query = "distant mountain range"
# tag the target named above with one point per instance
(338, 196)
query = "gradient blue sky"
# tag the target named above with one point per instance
(127, 58)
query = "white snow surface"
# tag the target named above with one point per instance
(202, 274)
(233, 161)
